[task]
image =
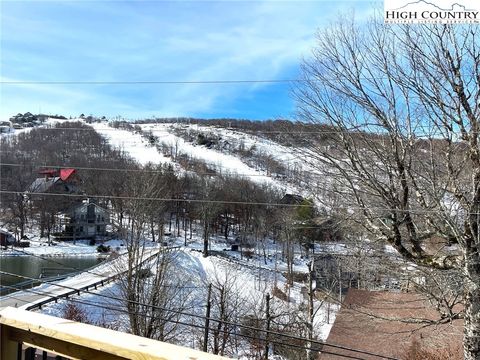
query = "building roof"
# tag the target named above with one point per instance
(41, 185)
(83, 205)
(370, 321)
(292, 199)
(65, 174)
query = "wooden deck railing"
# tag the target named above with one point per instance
(81, 341)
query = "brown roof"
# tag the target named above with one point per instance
(368, 321)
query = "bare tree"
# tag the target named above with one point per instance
(403, 105)
(153, 293)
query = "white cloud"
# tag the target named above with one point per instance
(156, 41)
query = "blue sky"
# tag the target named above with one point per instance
(158, 41)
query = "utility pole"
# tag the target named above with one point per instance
(310, 311)
(185, 228)
(207, 319)
(339, 284)
(328, 312)
(267, 325)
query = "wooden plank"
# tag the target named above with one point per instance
(8, 348)
(71, 337)
(58, 346)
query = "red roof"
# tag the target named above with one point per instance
(66, 173)
(49, 172)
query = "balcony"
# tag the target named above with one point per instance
(24, 331)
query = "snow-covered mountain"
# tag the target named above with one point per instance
(225, 151)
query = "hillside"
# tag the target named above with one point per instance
(238, 244)
(240, 210)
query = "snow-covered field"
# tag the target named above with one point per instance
(41, 247)
(253, 277)
(140, 149)
(132, 143)
(221, 162)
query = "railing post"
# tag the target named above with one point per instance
(8, 349)
(30, 353)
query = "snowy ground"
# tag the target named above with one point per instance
(44, 247)
(41, 247)
(254, 278)
(104, 306)
(137, 147)
(221, 162)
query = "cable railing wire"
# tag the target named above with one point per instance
(179, 322)
(203, 317)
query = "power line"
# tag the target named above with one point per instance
(202, 327)
(180, 82)
(179, 322)
(200, 317)
(155, 82)
(413, 211)
(147, 171)
(155, 199)
(146, 131)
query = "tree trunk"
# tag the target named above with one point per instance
(205, 238)
(152, 229)
(226, 227)
(191, 228)
(185, 231)
(471, 338)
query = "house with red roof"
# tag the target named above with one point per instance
(57, 181)
(76, 217)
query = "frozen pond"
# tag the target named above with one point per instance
(35, 267)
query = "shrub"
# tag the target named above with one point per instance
(279, 294)
(248, 253)
(73, 312)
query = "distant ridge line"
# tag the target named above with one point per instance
(429, 3)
